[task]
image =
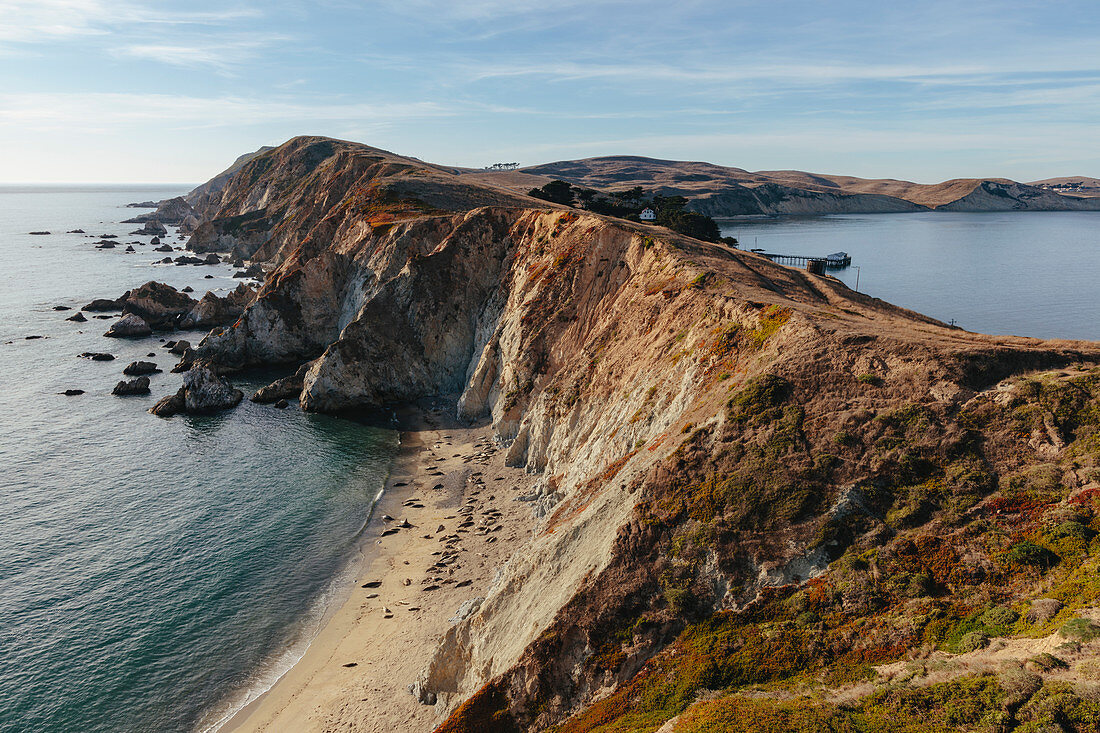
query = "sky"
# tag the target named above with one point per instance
(120, 91)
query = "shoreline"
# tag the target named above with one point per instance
(373, 644)
(340, 589)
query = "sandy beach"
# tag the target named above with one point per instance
(450, 486)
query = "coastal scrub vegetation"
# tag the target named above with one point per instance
(670, 211)
(956, 544)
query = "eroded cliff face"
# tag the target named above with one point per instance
(776, 200)
(711, 430)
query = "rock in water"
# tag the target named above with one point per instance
(137, 368)
(283, 389)
(178, 347)
(152, 227)
(172, 211)
(214, 311)
(77, 317)
(102, 305)
(73, 392)
(159, 305)
(203, 392)
(132, 386)
(97, 356)
(168, 406)
(163, 248)
(129, 326)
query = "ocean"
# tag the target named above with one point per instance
(1020, 273)
(155, 574)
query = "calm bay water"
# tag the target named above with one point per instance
(1022, 273)
(153, 573)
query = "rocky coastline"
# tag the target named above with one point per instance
(713, 463)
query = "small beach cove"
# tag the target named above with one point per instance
(450, 486)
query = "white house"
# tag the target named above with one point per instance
(648, 215)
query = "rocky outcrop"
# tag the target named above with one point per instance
(287, 388)
(153, 228)
(257, 212)
(168, 406)
(140, 385)
(203, 392)
(139, 368)
(129, 326)
(103, 305)
(240, 235)
(160, 305)
(202, 197)
(212, 310)
(174, 212)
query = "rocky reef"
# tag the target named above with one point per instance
(752, 479)
(204, 391)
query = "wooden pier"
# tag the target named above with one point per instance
(835, 261)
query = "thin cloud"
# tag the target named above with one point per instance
(43, 21)
(223, 54)
(107, 111)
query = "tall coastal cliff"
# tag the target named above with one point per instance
(748, 476)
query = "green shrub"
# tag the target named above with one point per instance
(1070, 530)
(972, 642)
(845, 439)
(1027, 553)
(1046, 662)
(872, 379)
(1081, 629)
(999, 616)
(757, 401)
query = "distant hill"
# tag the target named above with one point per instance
(727, 191)
(1071, 185)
